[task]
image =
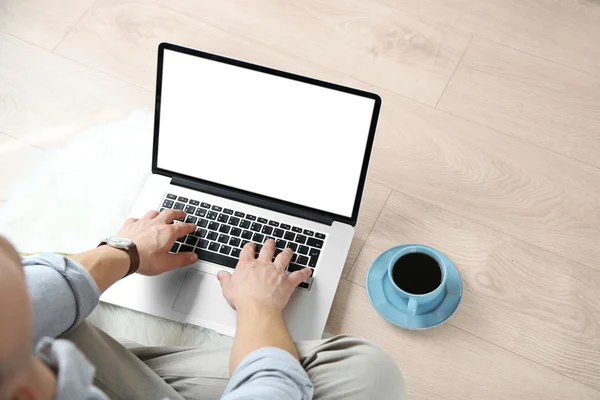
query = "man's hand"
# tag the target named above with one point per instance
(154, 234)
(260, 282)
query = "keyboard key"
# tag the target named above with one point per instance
(304, 285)
(278, 233)
(217, 208)
(303, 250)
(234, 241)
(182, 199)
(294, 258)
(171, 196)
(244, 242)
(296, 229)
(293, 246)
(262, 220)
(204, 205)
(247, 235)
(268, 238)
(228, 211)
(194, 202)
(217, 258)
(295, 267)
(301, 239)
(224, 228)
(213, 226)
(236, 232)
(234, 221)
(258, 238)
(178, 206)
(277, 252)
(212, 235)
(308, 233)
(303, 260)
(239, 214)
(250, 217)
(203, 243)
(168, 203)
(267, 230)
(212, 215)
(289, 236)
(214, 246)
(201, 232)
(235, 252)
(191, 220)
(320, 235)
(174, 248)
(314, 257)
(274, 223)
(203, 223)
(256, 227)
(258, 248)
(315, 243)
(185, 248)
(245, 224)
(181, 239)
(286, 226)
(280, 244)
(223, 218)
(191, 240)
(161, 209)
(200, 212)
(190, 209)
(223, 239)
(225, 250)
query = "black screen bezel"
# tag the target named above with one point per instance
(368, 148)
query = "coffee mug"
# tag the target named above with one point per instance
(418, 275)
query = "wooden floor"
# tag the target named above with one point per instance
(488, 149)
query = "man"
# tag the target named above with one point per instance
(86, 363)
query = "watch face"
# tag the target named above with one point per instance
(117, 241)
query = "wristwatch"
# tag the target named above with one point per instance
(128, 246)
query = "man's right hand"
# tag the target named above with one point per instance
(259, 282)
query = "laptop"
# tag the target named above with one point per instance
(251, 153)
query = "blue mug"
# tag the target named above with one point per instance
(420, 303)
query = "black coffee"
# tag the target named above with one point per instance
(417, 273)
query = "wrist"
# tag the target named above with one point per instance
(258, 308)
(105, 264)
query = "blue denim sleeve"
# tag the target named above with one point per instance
(62, 293)
(269, 373)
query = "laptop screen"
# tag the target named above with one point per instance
(262, 133)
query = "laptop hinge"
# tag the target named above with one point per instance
(249, 199)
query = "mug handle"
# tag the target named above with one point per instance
(412, 306)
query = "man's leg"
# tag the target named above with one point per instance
(346, 367)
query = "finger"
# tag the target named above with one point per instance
(168, 216)
(130, 221)
(267, 251)
(296, 277)
(181, 259)
(248, 252)
(284, 258)
(179, 230)
(150, 214)
(224, 277)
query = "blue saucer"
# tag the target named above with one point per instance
(393, 308)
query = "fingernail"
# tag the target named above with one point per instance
(194, 258)
(220, 274)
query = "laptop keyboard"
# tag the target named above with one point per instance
(222, 232)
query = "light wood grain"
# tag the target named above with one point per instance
(41, 22)
(44, 97)
(449, 363)
(563, 31)
(492, 178)
(374, 197)
(535, 100)
(520, 297)
(365, 40)
(15, 159)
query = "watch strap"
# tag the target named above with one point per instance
(134, 256)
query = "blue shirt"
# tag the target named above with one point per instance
(63, 294)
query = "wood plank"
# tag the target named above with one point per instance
(42, 105)
(504, 183)
(527, 300)
(373, 43)
(563, 31)
(523, 96)
(374, 197)
(41, 22)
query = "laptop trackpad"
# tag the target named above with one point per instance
(200, 295)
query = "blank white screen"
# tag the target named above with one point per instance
(261, 133)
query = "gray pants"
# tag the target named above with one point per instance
(341, 367)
